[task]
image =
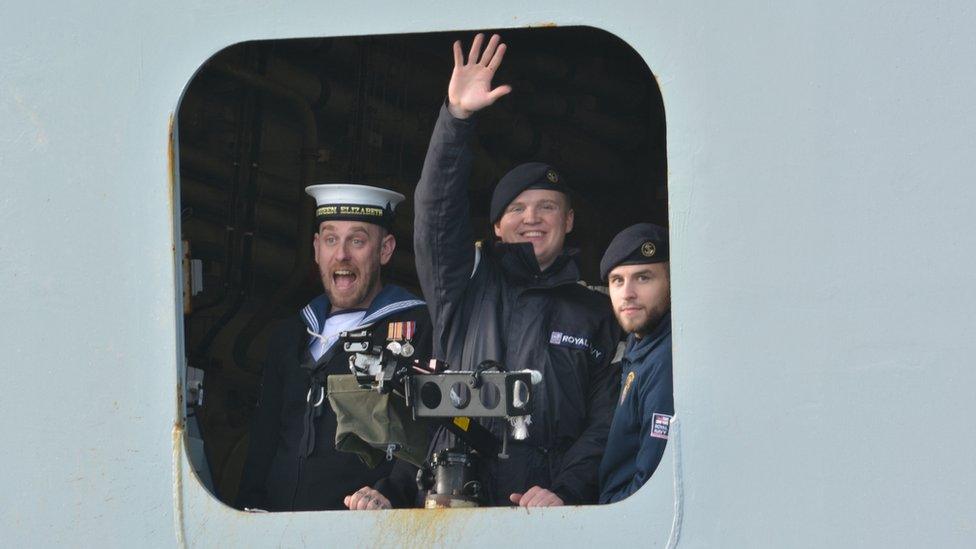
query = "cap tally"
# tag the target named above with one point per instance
(347, 202)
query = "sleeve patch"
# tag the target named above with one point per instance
(662, 424)
(581, 343)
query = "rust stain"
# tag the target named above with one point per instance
(171, 160)
(543, 25)
(421, 527)
(179, 404)
(178, 523)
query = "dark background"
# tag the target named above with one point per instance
(262, 120)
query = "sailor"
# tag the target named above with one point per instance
(292, 463)
(637, 271)
(517, 301)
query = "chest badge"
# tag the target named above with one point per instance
(400, 336)
(626, 389)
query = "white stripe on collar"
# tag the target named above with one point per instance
(368, 321)
(390, 309)
(313, 321)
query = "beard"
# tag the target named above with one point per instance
(644, 325)
(363, 287)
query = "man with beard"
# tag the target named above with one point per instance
(292, 463)
(637, 271)
(517, 302)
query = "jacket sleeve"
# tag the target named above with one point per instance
(401, 486)
(443, 245)
(265, 423)
(577, 480)
(656, 398)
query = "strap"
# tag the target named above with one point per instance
(315, 399)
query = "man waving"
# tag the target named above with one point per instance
(516, 301)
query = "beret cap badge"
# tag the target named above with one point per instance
(531, 175)
(638, 244)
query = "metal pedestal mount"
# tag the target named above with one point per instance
(454, 400)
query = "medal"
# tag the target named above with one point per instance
(399, 335)
(400, 330)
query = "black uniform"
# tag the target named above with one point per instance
(642, 421)
(292, 463)
(494, 303)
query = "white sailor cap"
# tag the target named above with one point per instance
(346, 202)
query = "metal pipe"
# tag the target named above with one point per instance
(238, 233)
(271, 257)
(270, 216)
(302, 260)
(217, 172)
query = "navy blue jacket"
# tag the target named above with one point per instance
(494, 303)
(641, 422)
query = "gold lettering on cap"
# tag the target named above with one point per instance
(368, 211)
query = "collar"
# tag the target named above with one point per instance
(637, 349)
(518, 260)
(391, 299)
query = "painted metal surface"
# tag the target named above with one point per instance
(820, 191)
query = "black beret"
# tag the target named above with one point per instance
(531, 175)
(636, 245)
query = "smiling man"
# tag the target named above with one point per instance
(292, 463)
(517, 301)
(637, 271)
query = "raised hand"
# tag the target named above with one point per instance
(470, 87)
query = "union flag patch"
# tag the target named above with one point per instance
(662, 424)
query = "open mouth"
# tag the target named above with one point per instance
(533, 235)
(343, 279)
